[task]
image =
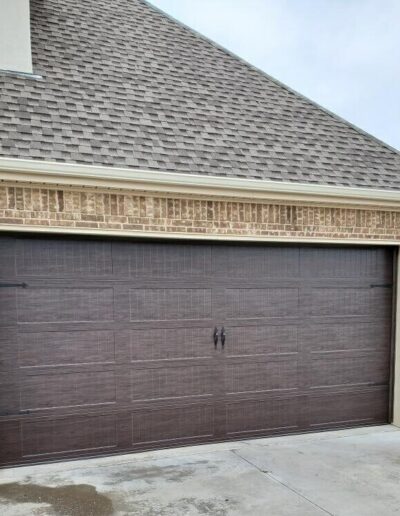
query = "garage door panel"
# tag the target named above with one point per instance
(177, 382)
(63, 258)
(354, 263)
(7, 259)
(263, 416)
(65, 304)
(57, 390)
(151, 260)
(9, 394)
(245, 262)
(163, 304)
(8, 306)
(10, 439)
(346, 336)
(336, 409)
(375, 302)
(172, 425)
(260, 302)
(265, 376)
(170, 344)
(59, 348)
(68, 435)
(258, 340)
(349, 369)
(9, 374)
(8, 350)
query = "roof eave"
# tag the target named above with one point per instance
(36, 171)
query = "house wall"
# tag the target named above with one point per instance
(88, 210)
(127, 211)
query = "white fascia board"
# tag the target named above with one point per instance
(189, 184)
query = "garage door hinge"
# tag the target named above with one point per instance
(11, 285)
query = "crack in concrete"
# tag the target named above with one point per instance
(275, 479)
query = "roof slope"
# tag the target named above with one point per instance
(125, 85)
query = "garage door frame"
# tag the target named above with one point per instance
(394, 408)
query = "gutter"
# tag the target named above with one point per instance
(35, 171)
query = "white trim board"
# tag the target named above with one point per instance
(33, 171)
(144, 234)
(396, 379)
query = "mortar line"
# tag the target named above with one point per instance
(272, 477)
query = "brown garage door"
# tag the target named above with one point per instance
(109, 346)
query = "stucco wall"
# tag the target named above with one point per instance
(126, 211)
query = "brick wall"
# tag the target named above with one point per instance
(91, 209)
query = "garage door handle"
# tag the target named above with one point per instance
(223, 337)
(215, 336)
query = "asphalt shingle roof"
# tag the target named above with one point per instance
(125, 85)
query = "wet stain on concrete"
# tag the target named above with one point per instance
(155, 473)
(168, 473)
(70, 500)
(193, 506)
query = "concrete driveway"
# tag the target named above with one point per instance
(344, 473)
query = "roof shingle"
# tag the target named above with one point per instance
(125, 85)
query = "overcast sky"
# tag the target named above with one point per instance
(343, 54)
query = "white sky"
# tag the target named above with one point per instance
(343, 54)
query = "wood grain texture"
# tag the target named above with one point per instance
(110, 347)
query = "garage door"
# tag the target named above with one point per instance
(114, 346)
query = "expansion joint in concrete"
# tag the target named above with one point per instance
(283, 484)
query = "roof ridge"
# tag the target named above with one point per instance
(271, 78)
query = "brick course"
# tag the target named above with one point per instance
(85, 208)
